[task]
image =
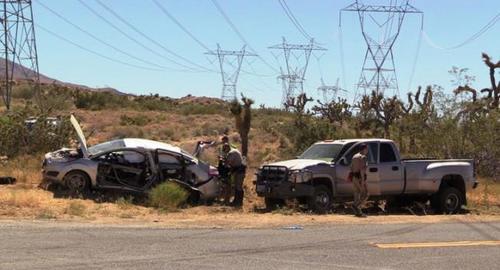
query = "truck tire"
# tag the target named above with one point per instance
(273, 204)
(77, 182)
(321, 201)
(448, 201)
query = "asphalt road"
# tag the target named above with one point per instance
(52, 245)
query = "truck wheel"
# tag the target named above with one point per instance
(273, 204)
(449, 201)
(321, 201)
(77, 182)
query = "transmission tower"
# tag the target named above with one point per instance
(329, 92)
(230, 66)
(293, 74)
(380, 26)
(18, 46)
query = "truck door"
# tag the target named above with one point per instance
(372, 174)
(390, 170)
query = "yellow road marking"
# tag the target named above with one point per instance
(440, 244)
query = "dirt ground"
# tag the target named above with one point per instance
(27, 203)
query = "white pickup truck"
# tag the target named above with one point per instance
(319, 177)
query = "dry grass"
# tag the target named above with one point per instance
(485, 198)
(25, 201)
(26, 169)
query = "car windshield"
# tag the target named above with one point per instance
(326, 152)
(107, 146)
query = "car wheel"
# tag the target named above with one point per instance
(450, 200)
(77, 182)
(273, 204)
(321, 201)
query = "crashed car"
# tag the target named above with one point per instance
(133, 165)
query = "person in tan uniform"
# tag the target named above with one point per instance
(358, 170)
(237, 169)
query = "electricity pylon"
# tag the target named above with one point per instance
(230, 66)
(293, 75)
(330, 92)
(380, 26)
(18, 46)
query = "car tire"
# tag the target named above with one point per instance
(448, 201)
(77, 182)
(273, 204)
(321, 201)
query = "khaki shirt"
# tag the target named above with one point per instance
(359, 163)
(234, 159)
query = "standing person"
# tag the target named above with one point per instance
(358, 170)
(224, 170)
(237, 170)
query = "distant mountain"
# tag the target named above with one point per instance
(22, 73)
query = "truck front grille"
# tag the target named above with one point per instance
(273, 174)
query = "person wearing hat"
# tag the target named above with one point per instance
(237, 170)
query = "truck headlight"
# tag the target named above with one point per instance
(301, 176)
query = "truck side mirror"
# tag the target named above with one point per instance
(343, 161)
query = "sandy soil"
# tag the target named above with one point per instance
(37, 205)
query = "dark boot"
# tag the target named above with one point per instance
(238, 199)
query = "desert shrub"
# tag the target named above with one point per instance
(127, 132)
(195, 109)
(167, 196)
(24, 91)
(125, 203)
(138, 120)
(46, 213)
(101, 100)
(16, 137)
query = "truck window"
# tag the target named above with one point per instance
(372, 153)
(387, 153)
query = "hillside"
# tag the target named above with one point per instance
(22, 73)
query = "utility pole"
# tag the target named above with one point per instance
(230, 65)
(329, 92)
(380, 26)
(293, 74)
(18, 43)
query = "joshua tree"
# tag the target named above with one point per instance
(335, 111)
(492, 98)
(493, 92)
(298, 104)
(243, 117)
(416, 114)
(388, 110)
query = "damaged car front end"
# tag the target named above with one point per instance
(131, 165)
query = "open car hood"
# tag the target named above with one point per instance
(80, 136)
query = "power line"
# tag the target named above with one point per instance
(475, 36)
(98, 39)
(128, 36)
(342, 61)
(233, 26)
(94, 52)
(192, 36)
(173, 19)
(415, 60)
(293, 19)
(135, 29)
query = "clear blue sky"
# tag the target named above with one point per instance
(263, 23)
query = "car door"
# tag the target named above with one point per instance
(171, 165)
(391, 171)
(123, 169)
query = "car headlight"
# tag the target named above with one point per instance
(301, 176)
